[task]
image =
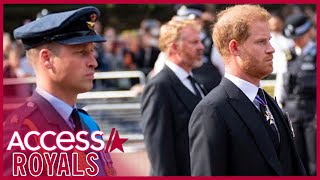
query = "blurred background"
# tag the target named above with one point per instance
(126, 63)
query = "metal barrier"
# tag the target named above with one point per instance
(97, 75)
(125, 117)
(16, 81)
(92, 94)
(120, 113)
(121, 74)
(107, 94)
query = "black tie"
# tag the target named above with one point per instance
(76, 120)
(267, 114)
(193, 83)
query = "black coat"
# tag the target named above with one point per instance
(208, 75)
(166, 109)
(229, 137)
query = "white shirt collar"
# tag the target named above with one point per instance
(249, 89)
(178, 71)
(61, 107)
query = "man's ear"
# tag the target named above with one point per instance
(174, 47)
(234, 47)
(46, 57)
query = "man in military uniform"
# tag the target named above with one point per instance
(299, 98)
(61, 51)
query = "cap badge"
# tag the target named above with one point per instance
(93, 18)
(90, 25)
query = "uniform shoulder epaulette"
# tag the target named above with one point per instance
(311, 55)
(17, 117)
(288, 54)
(313, 51)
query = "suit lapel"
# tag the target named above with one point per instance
(282, 118)
(286, 136)
(183, 93)
(246, 110)
(50, 114)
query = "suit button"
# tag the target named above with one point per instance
(14, 119)
(30, 104)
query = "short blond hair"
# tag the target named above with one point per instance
(233, 23)
(171, 31)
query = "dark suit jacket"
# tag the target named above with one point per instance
(166, 109)
(228, 137)
(208, 75)
(146, 62)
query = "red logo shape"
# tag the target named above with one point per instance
(116, 141)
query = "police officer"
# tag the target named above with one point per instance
(60, 49)
(299, 98)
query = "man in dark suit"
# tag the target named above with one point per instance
(238, 129)
(60, 49)
(209, 74)
(170, 97)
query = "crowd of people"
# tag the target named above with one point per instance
(185, 59)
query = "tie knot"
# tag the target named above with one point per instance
(261, 94)
(74, 113)
(76, 120)
(261, 97)
(194, 86)
(191, 78)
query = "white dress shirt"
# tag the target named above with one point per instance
(249, 89)
(183, 77)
